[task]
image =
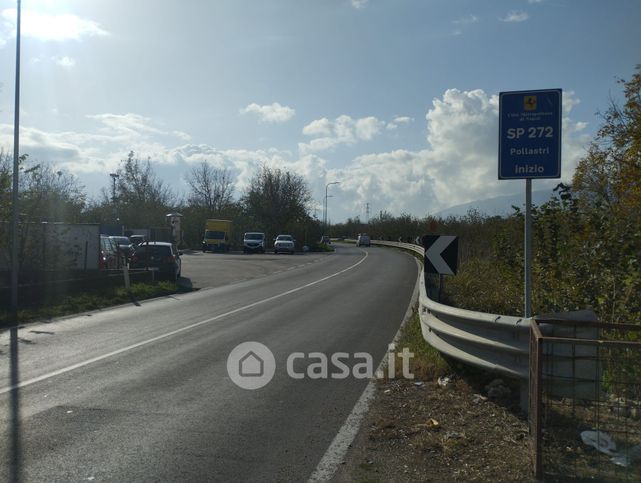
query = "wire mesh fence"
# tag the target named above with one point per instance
(585, 400)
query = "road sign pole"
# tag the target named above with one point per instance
(528, 248)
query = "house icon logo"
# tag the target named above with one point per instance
(251, 365)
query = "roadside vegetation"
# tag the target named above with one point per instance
(97, 298)
(427, 364)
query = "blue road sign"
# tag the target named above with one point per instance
(530, 134)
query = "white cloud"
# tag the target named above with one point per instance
(399, 120)
(49, 27)
(534, 1)
(367, 128)
(130, 125)
(98, 150)
(515, 16)
(342, 131)
(273, 113)
(358, 4)
(402, 120)
(66, 62)
(319, 127)
(470, 19)
(181, 135)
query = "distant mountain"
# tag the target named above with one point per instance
(499, 206)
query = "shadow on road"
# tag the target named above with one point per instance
(185, 285)
(15, 454)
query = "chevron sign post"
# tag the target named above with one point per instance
(441, 254)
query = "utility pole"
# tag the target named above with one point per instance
(366, 212)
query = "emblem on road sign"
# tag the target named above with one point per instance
(441, 254)
(529, 103)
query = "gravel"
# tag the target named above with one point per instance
(432, 432)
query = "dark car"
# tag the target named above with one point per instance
(363, 240)
(123, 244)
(109, 257)
(159, 256)
(136, 240)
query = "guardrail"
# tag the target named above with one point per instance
(496, 343)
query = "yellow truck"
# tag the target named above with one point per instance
(217, 235)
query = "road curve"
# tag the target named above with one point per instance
(142, 392)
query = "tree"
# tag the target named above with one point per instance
(276, 200)
(607, 185)
(610, 175)
(6, 169)
(211, 188)
(45, 194)
(142, 200)
(51, 195)
(137, 184)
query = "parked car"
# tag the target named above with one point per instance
(109, 257)
(159, 256)
(254, 241)
(123, 245)
(136, 240)
(284, 244)
(363, 240)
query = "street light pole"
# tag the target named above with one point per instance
(15, 453)
(14, 193)
(325, 211)
(114, 177)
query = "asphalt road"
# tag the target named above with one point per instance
(219, 269)
(142, 393)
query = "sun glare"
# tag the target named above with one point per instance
(53, 26)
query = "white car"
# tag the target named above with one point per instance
(253, 242)
(363, 240)
(284, 243)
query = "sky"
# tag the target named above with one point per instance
(397, 100)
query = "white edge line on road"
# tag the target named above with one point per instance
(49, 375)
(335, 454)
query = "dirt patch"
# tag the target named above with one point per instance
(424, 432)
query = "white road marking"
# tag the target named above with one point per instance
(64, 370)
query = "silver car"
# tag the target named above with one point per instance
(284, 244)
